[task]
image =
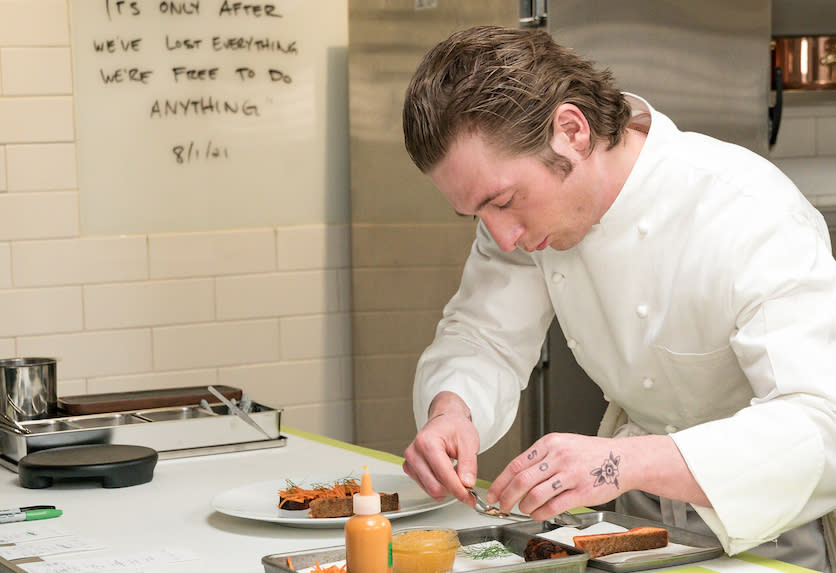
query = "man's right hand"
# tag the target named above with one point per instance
(448, 435)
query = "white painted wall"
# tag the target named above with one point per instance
(264, 309)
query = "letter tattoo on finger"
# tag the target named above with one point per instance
(543, 467)
(532, 454)
(556, 485)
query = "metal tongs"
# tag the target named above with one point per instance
(12, 424)
(237, 411)
(485, 508)
(564, 519)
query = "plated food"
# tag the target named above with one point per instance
(539, 548)
(329, 500)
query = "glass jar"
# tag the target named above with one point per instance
(424, 550)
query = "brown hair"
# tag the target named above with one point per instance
(506, 84)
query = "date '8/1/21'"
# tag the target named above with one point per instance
(192, 152)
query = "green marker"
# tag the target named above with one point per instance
(30, 515)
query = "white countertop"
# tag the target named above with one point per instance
(174, 510)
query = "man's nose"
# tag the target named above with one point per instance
(505, 231)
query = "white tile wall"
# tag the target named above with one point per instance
(42, 71)
(128, 305)
(80, 260)
(172, 379)
(34, 23)
(260, 378)
(262, 309)
(40, 311)
(38, 215)
(7, 347)
(216, 344)
(36, 119)
(89, 354)
(5, 265)
(207, 254)
(278, 294)
(314, 247)
(806, 150)
(308, 337)
(2, 164)
(41, 167)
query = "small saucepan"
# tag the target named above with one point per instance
(28, 388)
(806, 62)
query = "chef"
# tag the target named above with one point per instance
(693, 281)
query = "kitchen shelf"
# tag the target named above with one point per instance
(799, 98)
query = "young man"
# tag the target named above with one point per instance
(693, 281)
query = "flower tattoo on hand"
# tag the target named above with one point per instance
(608, 472)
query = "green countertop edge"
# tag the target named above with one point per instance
(376, 454)
(749, 558)
(771, 563)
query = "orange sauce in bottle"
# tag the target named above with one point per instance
(368, 534)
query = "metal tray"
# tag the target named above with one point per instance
(710, 547)
(174, 432)
(513, 536)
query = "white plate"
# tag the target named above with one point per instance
(261, 500)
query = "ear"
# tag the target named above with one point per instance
(571, 130)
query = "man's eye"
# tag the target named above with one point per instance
(506, 204)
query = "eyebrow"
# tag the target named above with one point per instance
(483, 203)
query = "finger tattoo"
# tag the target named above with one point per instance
(543, 467)
(556, 485)
(532, 454)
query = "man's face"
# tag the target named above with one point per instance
(522, 202)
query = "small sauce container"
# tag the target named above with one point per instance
(424, 550)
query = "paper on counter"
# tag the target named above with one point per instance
(465, 563)
(565, 535)
(29, 531)
(136, 562)
(49, 547)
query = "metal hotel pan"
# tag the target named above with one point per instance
(514, 537)
(706, 547)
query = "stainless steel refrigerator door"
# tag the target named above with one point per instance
(705, 64)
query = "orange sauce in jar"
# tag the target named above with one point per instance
(424, 550)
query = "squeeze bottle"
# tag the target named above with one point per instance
(368, 534)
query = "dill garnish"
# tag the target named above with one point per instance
(492, 551)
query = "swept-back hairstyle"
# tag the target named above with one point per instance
(505, 84)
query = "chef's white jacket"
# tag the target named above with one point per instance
(704, 306)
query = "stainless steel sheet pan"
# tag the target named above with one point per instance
(514, 537)
(177, 431)
(708, 547)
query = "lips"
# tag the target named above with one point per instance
(540, 247)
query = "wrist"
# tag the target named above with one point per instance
(448, 404)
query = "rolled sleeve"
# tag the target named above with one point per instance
(488, 340)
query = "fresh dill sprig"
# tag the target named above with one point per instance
(492, 551)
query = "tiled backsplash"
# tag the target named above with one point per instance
(263, 309)
(806, 148)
